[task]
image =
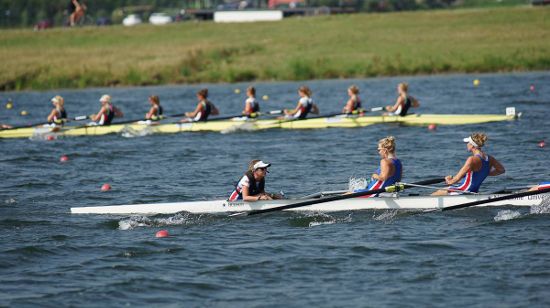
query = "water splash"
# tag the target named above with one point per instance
(10, 201)
(507, 215)
(128, 132)
(542, 208)
(387, 216)
(144, 221)
(244, 127)
(320, 219)
(357, 183)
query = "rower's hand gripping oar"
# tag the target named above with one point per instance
(79, 118)
(393, 188)
(489, 200)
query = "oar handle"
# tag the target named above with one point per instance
(393, 188)
(489, 200)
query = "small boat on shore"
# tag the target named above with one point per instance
(239, 123)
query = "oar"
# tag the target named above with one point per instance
(392, 188)
(79, 118)
(489, 200)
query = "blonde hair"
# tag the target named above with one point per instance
(155, 99)
(252, 90)
(203, 93)
(251, 164)
(59, 99)
(404, 86)
(387, 143)
(479, 138)
(354, 89)
(305, 90)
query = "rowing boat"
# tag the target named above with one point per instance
(339, 121)
(384, 202)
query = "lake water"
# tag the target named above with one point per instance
(472, 257)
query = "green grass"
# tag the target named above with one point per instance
(362, 45)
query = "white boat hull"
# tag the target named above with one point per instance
(224, 206)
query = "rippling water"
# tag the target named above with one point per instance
(477, 257)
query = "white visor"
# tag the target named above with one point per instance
(55, 100)
(260, 164)
(470, 141)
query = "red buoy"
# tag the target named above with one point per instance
(532, 88)
(50, 137)
(105, 187)
(64, 158)
(432, 127)
(162, 233)
(542, 144)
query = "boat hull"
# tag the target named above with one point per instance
(386, 203)
(239, 124)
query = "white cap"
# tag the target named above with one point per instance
(260, 164)
(57, 99)
(105, 98)
(470, 141)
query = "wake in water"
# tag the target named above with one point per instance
(244, 127)
(144, 221)
(387, 216)
(357, 183)
(507, 215)
(314, 219)
(128, 132)
(542, 208)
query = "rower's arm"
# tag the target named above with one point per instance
(151, 112)
(393, 108)
(496, 167)
(97, 116)
(292, 112)
(385, 169)
(348, 107)
(468, 165)
(52, 114)
(194, 113)
(247, 197)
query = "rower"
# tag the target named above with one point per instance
(476, 168)
(305, 105)
(251, 105)
(155, 113)
(203, 110)
(390, 170)
(58, 115)
(403, 103)
(107, 112)
(251, 186)
(353, 105)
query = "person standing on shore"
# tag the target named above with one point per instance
(76, 11)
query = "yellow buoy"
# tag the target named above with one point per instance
(9, 104)
(476, 82)
(237, 91)
(24, 112)
(265, 97)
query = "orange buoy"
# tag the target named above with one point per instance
(542, 144)
(532, 88)
(432, 127)
(64, 158)
(50, 137)
(105, 187)
(162, 233)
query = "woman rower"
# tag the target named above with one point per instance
(155, 113)
(203, 110)
(403, 103)
(476, 168)
(58, 115)
(390, 170)
(305, 105)
(251, 105)
(107, 112)
(353, 105)
(251, 186)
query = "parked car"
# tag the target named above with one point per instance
(42, 25)
(131, 20)
(160, 19)
(103, 21)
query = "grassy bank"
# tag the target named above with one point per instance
(362, 45)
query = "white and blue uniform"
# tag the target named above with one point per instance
(378, 184)
(473, 179)
(305, 106)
